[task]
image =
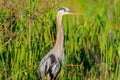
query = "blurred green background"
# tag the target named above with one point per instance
(91, 38)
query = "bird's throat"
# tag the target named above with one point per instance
(60, 33)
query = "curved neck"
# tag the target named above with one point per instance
(60, 33)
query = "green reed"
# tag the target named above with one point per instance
(91, 39)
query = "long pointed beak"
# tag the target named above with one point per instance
(72, 12)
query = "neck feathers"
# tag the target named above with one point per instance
(60, 33)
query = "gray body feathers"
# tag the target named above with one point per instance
(50, 66)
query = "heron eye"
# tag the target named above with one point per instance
(65, 10)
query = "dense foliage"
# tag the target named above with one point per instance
(91, 38)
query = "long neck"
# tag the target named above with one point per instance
(60, 33)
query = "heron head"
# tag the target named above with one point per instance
(62, 11)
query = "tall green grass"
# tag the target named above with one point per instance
(91, 38)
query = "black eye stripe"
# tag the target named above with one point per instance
(62, 9)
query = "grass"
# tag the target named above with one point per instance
(91, 38)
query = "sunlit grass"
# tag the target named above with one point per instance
(91, 39)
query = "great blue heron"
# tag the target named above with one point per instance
(50, 65)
